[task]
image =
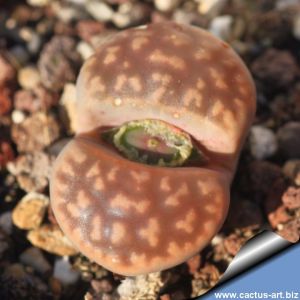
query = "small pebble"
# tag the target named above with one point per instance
(99, 10)
(211, 7)
(36, 99)
(59, 62)
(18, 56)
(85, 50)
(263, 142)
(18, 116)
(30, 211)
(64, 272)
(32, 171)
(34, 258)
(166, 5)
(271, 66)
(289, 140)
(36, 132)
(50, 238)
(291, 198)
(7, 73)
(221, 27)
(29, 77)
(6, 224)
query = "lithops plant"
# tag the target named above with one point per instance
(163, 111)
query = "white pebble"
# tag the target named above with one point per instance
(263, 142)
(18, 116)
(221, 26)
(99, 10)
(64, 273)
(166, 5)
(85, 50)
(211, 7)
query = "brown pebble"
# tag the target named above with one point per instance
(7, 74)
(271, 68)
(30, 211)
(291, 198)
(36, 132)
(291, 230)
(32, 171)
(50, 238)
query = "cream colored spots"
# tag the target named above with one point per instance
(165, 79)
(126, 64)
(118, 232)
(98, 184)
(120, 82)
(209, 226)
(200, 84)
(212, 209)
(96, 232)
(73, 210)
(82, 200)
(150, 232)
(173, 249)
(202, 54)
(118, 102)
(112, 174)
(219, 80)
(192, 96)
(172, 60)
(140, 177)
(93, 171)
(204, 187)
(176, 115)
(96, 85)
(186, 223)
(122, 202)
(109, 58)
(138, 259)
(78, 156)
(217, 108)
(157, 95)
(173, 200)
(111, 55)
(228, 118)
(139, 42)
(165, 184)
(135, 83)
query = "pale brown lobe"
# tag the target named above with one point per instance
(179, 74)
(163, 222)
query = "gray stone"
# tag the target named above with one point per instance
(34, 258)
(263, 142)
(64, 272)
